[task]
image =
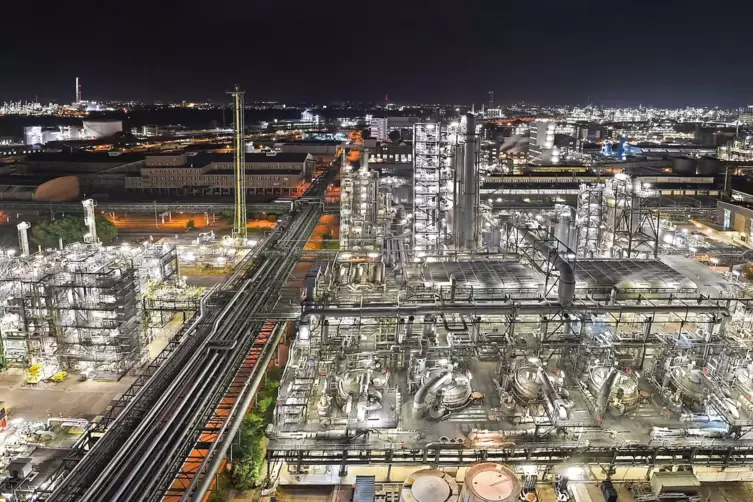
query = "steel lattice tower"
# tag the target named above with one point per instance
(239, 217)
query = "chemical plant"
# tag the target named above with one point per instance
(492, 327)
(447, 332)
(85, 307)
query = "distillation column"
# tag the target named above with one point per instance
(23, 237)
(470, 186)
(90, 221)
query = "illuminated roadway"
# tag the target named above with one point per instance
(194, 396)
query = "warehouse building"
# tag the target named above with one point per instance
(212, 174)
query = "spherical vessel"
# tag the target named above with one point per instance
(489, 482)
(429, 485)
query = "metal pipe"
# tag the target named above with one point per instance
(133, 402)
(143, 456)
(566, 285)
(237, 418)
(145, 423)
(419, 400)
(606, 388)
(553, 399)
(507, 309)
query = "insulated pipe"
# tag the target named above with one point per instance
(154, 412)
(143, 456)
(470, 182)
(566, 285)
(419, 400)
(606, 388)
(552, 397)
(400, 331)
(325, 332)
(237, 418)
(506, 309)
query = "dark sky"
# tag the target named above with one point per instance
(659, 52)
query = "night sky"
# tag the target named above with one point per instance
(660, 52)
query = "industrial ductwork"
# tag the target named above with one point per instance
(606, 388)
(431, 385)
(566, 286)
(507, 309)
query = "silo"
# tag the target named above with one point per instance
(489, 482)
(429, 485)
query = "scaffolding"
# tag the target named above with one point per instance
(94, 311)
(433, 185)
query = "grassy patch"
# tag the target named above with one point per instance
(249, 457)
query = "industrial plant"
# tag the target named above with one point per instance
(85, 307)
(495, 321)
(448, 331)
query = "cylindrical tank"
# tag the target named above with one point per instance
(429, 485)
(489, 482)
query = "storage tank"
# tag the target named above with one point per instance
(489, 482)
(429, 485)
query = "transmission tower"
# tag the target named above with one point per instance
(239, 218)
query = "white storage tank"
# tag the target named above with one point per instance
(429, 485)
(489, 482)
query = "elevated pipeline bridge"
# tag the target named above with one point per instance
(168, 435)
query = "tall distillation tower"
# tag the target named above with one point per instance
(239, 167)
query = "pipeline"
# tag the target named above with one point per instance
(419, 400)
(229, 436)
(507, 309)
(566, 285)
(606, 388)
(553, 399)
(145, 424)
(142, 393)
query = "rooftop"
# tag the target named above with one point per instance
(84, 157)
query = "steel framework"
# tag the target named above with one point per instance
(631, 228)
(359, 203)
(433, 184)
(172, 429)
(239, 166)
(588, 220)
